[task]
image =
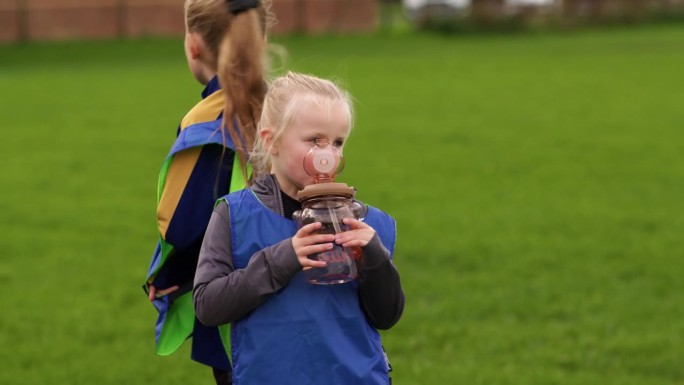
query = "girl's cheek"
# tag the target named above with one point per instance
(296, 170)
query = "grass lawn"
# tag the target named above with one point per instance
(537, 181)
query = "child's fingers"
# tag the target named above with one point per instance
(307, 229)
(154, 293)
(312, 244)
(314, 249)
(310, 264)
(355, 223)
(166, 291)
(364, 235)
(318, 238)
(354, 243)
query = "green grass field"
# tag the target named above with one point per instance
(537, 181)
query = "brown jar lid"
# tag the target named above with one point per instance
(321, 189)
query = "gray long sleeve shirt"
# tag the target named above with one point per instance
(223, 294)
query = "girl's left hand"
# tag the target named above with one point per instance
(359, 234)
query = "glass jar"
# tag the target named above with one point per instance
(329, 208)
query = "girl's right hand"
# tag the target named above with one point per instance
(154, 294)
(305, 243)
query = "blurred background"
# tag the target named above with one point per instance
(530, 151)
(25, 20)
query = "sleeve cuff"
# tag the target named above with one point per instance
(374, 253)
(283, 261)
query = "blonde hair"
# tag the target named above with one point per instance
(287, 96)
(236, 44)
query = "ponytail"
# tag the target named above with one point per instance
(241, 68)
(235, 34)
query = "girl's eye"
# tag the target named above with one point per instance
(338, 143)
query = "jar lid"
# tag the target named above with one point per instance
(321, 189)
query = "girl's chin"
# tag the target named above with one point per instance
(306, 182)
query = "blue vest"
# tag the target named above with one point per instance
(304, 333)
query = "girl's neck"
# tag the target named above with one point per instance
(286, 188)
(290, 205)
(206, 76)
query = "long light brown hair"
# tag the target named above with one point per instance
(237, 47)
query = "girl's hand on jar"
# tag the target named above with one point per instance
(359, 234)
(305, 242)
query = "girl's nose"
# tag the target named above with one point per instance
(322, 142)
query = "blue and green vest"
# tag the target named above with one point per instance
(176, 320)
(304, 333)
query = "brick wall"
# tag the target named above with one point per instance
(93, 19)
(325, 16)
(9, 20)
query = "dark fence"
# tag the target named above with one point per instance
(491, 13)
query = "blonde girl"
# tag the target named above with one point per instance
(283, 329)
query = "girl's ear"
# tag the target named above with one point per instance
(195, 45)
(266, 136)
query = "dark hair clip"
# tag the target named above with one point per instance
(237, 6)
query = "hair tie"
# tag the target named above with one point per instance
(237, 6)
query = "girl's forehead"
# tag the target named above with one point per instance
(323, 117)
(320, 108)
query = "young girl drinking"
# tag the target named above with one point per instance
(225, 46)
(285, 330)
